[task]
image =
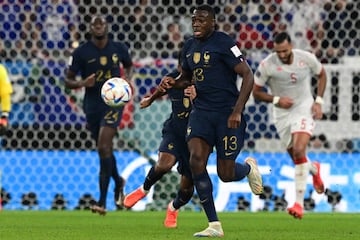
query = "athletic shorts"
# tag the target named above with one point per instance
(291, 124)
(110, 118)
(212, 127)
(176, 145)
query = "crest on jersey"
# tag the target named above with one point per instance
(188, 131)
(206, 57)
(196, 57)
(115, 58)
(186, 102)
(170, 146)
(103, 60)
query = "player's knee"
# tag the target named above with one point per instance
(165, 163)
(225, 170)
(298, 151)
(163, 167)
(225, 177)
(104, 151)
(197, 164)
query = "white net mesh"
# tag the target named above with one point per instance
(48, 151)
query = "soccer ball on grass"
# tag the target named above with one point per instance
(116, 92)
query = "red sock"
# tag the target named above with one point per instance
(300, 160)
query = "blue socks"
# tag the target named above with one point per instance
(151, 178)
(241, 171)
(204, 189)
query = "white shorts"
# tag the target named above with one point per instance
(293, 124)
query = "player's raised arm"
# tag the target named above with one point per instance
(71, 83)
(147, 101)
(182, 81)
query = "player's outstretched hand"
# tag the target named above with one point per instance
(145, 102)
(234, 120)
(190, 92)
(166, 83)
(89, 81)
(3, 125)
(316, 111)
(285, 102)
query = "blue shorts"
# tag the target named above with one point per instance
(110, 117)
(177, 146)
(212, 127)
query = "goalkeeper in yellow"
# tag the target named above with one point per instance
(5, 99)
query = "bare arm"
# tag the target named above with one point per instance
(246, 73)
(128, 71)
(321, 83)
(147, 101)
(260, 95)
(244, 70)
(71, 83)
(316, 107)
(182, 81)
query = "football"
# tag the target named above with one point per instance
(116, 92)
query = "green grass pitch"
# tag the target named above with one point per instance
(79, 225)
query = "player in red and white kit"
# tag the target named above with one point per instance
(288, 72)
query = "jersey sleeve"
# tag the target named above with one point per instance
(314, 64)
(233, 54)
(261, 76)
(126, 55)
(184, 64)
(74, 61)
(174, 74)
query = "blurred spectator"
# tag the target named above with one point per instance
(299, 18)
(30, 35)
(227, 19)
(338, 35)
(345, 145)
(257, 24)
(255, 27)
(319, 142)
(175, 35)
(174, 29)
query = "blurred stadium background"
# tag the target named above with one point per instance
(48, 161)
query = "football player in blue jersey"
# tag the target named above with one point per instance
(214, 62)
(97, 60)
(172, 149)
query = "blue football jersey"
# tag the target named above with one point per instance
(212, 63)
(105, 63)
(180, 109)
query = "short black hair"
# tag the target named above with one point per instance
(281, 37)
(208, 9)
